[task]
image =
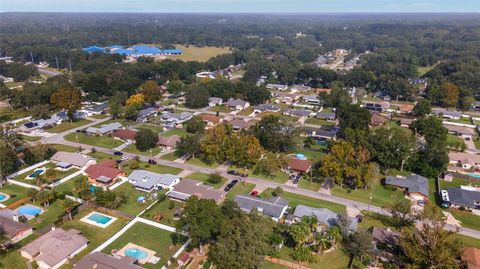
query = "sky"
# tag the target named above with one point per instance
(241, 6)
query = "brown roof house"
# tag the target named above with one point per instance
(210, 120)
(377, 120)
(471, 258)
(125, 135)
(168, 142)
(98, 260)
(464, 160)
(14, 230)
(239, 124)
(187, 187)
(298, 165)
(103, 174)
(54, 248)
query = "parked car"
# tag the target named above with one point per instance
(152, 161)
(254, 193)
(243, 175)
(230, 185)
(233, 172)
(118, 153)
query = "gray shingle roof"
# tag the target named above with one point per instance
(273, 207)
(323, 215)
(235, 102)
(266, 107)
(147, 180)
(326, 115)
(104, 128)
(463, 197)
(100, 260)
(414, 183)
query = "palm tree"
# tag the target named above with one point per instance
(68, 205)
(321, 242)
(32, 192)
(40, 180)
(334, 235)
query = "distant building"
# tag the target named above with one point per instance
(187, 187)
(377, 119)
(464, 160)
(265, 108)
(447, 114)
(274, 207)
(320, 134)
(210, 120)
(277, 87)
(471, 258)
(99, 260)
(125, 135)
(311, 99)
(460, 130)
(328, 116)
(237, 104)
(324, 216)
(54, 248)
(104, 129)
(171, 119)
(239, 124)
(168, 142)
(214, 101)
(299, 88)
(146, 113)
(298, 165)
(297, 112)
(14, 230)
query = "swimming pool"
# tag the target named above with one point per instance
(136, 253)
(470, 174)
(36, 173)
(2, 197)
(98, 218)
(29, 210)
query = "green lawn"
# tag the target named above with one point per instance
(468, 219)
(132, 148)
(162, 209)
(198, 162)
(296, 199)
(67, 125)
(247, 111)
(169, 156)
(455, 142)
(204, 178)
(156, 168)
(49, 217)
(457, 182)
(317, 121)
(381, 195)
(67, 187)
(240, 189)
(8, 115)
(13, 258)
(314, 153)
(279, 176)
(17, 191)
(149, 237)
(155, 128)
(468, 241)
(65, 148)
(221, 108)
(30, 138)
(422, 70)
(98, 141)
(132, 206)
(123, 122)
(99, 116)
(94, 234)
(304, 183)
(270, 265)
(100, 156)
(59, 174)
(179, 132)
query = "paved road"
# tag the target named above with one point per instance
(260, 183)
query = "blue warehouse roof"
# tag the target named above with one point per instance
(93, 49)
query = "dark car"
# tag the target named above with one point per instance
(118, 153)
(152, 161)
(230, 185)
(233, 172)
(254, 193)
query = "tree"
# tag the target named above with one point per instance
(32, 192)
(359, 245)
(151, 91)
(391, 147)
(7, 161)
(137, 100)
(431, 246)
(215, 178)
(68, 205)
(196, 96)
(175, 87)
(354, 117)
(188, 145)
(67, 98)
(402, 214)
(213, 144)
(202, 220)
(115, 109)
(195, 125)
(82, 187)
(450, 94)
(270, 164)
(422, 108)
(275, 134)
(146, 139)
(245, 151)
(40, 111)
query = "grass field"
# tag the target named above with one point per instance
(132, 148)
(316, 121)
(296, 199)
(169, 156)
(193, 53)
(13, 190)
(154, 128)
(98, 141)
(179, 132)
(31, 138)
(198, 162)
(381, 196)
(13, 258)
(469, 220)
(156, 168)
(67, 125)
(65, 148)
(149, 237)
(132, 206)
(240, 188)
(204, 178)
(59, 174)
(163, 209)
(8, 115)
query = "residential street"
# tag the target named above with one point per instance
(260, 183)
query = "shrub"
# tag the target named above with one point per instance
(161, 197)
(215, 178)
(171, 205)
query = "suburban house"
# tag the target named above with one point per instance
(210, 120)
(404, 122)
(328, 116)
(66, 160)
(311, 99)
(286, 98)
(237, 104)
(321, 134)
(297, 112)
(460, 197)
(94, 108)
(187, 187)
(277, 87)
(147, 181)
(464, 160)
(265, 108)
(54, 248)
(379, 107)
(99, 260)
(214, 101)
(385, 240)
(471, 258)
(299, 88)
(415, 186)
(184, 259)
(104, 173)
(239, 124)
(405, 109)
(447, 114)
(274, 207)
(14, 230)
(298, 165)
(146, 113)
(168, 142)
(459, 130)
(205, 76)
(126, 135)
(324, 216)
(172, 119)
(39, 124)
(104, 129)
(377, 119)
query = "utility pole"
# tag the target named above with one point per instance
(31, 55)
(56, 60)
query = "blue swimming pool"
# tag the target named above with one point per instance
(37, 173)
(29, 210)
(98, 218)
(474, 175)
(2, 197)
(136, 253)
